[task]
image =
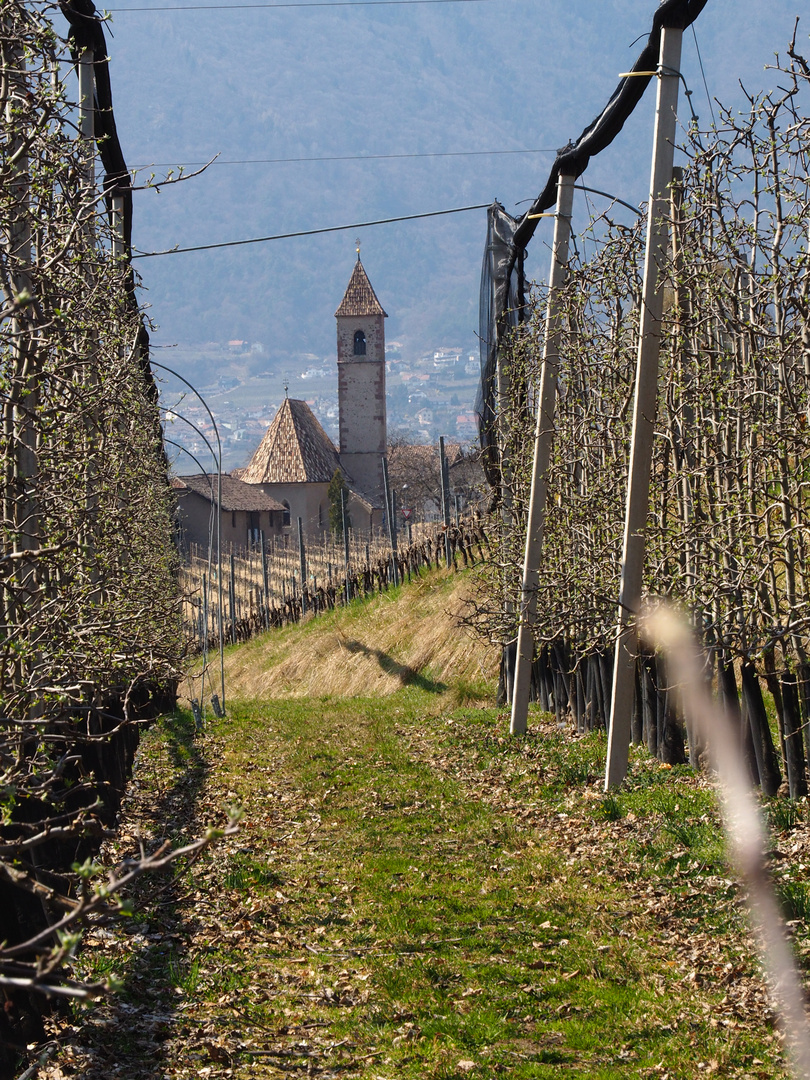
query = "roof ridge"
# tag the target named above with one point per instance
(295, 449)
(359, 298)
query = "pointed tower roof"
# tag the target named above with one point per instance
(295, 449)
(360, 298)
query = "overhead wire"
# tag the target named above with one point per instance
(703, 73)
(308, 232)
(287, 4)
(339, 157)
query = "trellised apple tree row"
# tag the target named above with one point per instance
(88, 596)
(728, 532)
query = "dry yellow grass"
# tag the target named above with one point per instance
(373, 648)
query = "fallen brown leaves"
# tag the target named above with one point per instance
(194, 969)
(592, 849)
(224, 979)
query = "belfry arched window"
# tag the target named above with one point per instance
(359, 343)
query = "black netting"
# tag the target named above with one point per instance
(86, 32)
(501, 305)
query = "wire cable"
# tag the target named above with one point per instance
(304, 4)
(337, 157)
(703, 73)
(308, 232)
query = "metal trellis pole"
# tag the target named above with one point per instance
(543, 443)
(641, 447)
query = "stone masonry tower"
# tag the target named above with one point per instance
(361, 385)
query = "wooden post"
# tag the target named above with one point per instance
(445, 500)
(205, 623)
(302, 563)
(389, 510)
(543, 444)
(232, 599)
(346, 559)
(118, 249)
(503, 384)
(265, 591)
(87, 125)
(641, 447)
(20, 504)
(87, 210)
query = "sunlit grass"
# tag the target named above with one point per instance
(432, 898)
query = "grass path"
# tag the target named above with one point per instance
(414, 895)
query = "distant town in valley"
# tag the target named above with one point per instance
(243, 385)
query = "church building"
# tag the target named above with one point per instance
(361, 385)
(296, 459)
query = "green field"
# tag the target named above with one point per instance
(414, 894)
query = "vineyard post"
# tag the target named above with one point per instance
(118, 248)
(218, 462)
(232, 598)
(445, 477)
(265, 593)
(85, 69)
(23, 398)
(302, 563)
(503, 387)
(345, 541)
(543, 443)
(641, 447)
(87, 125)
(205, 636)
(389, 512)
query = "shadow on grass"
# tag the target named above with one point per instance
(128, 1039)
(407, 676)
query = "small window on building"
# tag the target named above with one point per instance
(359, 343)
(285, 518)
(254, 527)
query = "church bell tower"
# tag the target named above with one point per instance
(361, 385)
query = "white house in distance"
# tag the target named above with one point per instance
(296, 460)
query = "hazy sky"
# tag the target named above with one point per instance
(365, 82)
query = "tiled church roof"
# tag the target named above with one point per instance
(295, 449)
(236, 495)
(360, 298)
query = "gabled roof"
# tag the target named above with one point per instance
(295, 449)
(360, 298)
(422, 457)
(236, 495)
(369, 503)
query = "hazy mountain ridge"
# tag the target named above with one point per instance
(325, 82)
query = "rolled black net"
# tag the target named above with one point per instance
(502, 300)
